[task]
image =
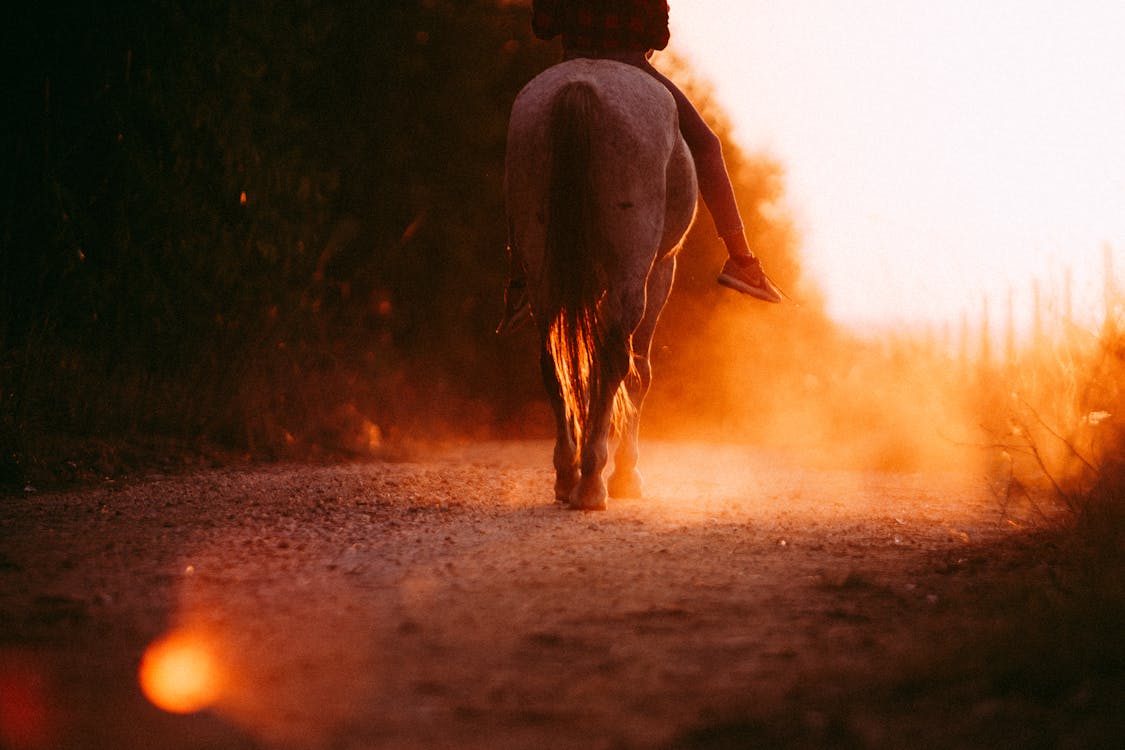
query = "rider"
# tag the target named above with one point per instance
(628, 31)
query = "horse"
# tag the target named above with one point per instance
(600, 190)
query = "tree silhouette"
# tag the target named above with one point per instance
(256, 225)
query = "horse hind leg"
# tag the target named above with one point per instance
(566, 449)
(613, 363)
(626, 480)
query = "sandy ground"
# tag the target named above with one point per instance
(447, 602)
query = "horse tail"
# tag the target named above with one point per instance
(576, 337)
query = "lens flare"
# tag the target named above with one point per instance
(178, 674)
(25, 712)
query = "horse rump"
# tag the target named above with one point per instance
(577, 339)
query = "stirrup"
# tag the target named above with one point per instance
(517, 307)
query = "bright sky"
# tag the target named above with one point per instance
(937, 151)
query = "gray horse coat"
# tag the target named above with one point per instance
(600, 190)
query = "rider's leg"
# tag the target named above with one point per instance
(743, 271)
(707, 151)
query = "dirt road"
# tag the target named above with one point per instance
(446, 602)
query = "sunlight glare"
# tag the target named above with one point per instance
(936, 154)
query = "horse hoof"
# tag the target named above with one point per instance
(626, 484)
(593, 504)
(565, 488)
(592, 499)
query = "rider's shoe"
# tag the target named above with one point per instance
(517, 307)
(744, 273)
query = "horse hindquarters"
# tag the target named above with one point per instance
(589, 228)
(589, 350)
